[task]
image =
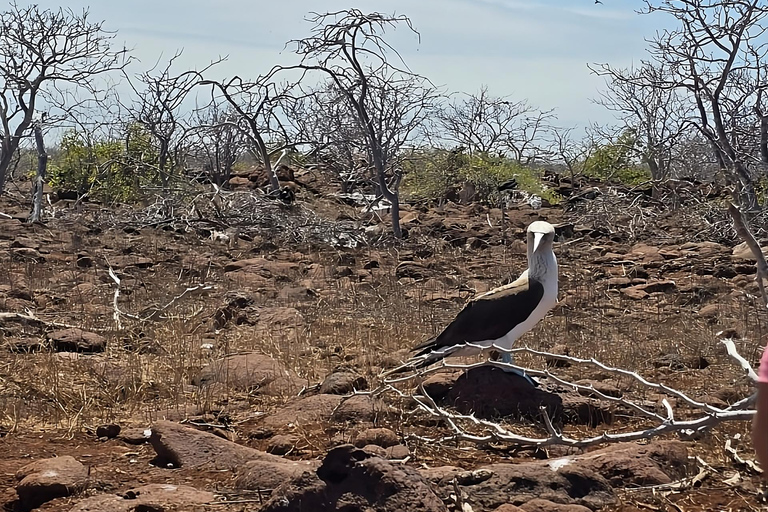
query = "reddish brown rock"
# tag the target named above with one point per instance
(379, 436)
(343, 382)
(250, 372)
(548, 506)
(492, 486)
(77, 340)
(148, 498)
(266, 268)
(301, 412)
(47, 479)
(351, 479)
(259, 474)
(655, 463)
(282, 444)
(180, 446)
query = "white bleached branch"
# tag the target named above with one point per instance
(469, 428)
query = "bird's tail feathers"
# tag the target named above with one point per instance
(425, 357)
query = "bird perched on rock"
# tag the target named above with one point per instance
(496, 319)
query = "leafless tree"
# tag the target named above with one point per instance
(565, 148)
(259, 106)
(47, 58)
(658, 116)
(483, 123)
(216, 141)
(160, 105)
(387, 99)
(716, 58)
(335, 140)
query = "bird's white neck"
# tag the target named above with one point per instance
(542, 266)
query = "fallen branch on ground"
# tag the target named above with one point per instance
(469, 428)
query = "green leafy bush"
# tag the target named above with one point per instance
(431, 174)
(106, 170)
(614, 161)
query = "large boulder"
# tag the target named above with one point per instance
(351, 479)
(47, 479)
(180, 446)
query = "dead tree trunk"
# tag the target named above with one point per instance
(42, 164)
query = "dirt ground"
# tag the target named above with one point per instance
(646, 286)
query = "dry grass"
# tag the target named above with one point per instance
(366, 320)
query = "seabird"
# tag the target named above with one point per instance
(496, 319)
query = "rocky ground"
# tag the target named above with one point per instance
(242, 368)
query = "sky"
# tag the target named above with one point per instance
(525, 49)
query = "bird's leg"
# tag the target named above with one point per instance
(508, 358)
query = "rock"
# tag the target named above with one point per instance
(548, 506)
(358, 409)
(411, 269)
(250, 372)
(147, 498)
(301, 412)
(131, 260)
(280, 270)
(632, 464)
(343, 382)
(259, 475)
(135, 435)
(372, 449)
(180, 446)
(438, 385)
(379, 436)
(641, 291)
(77, 340)
(606, 388)
(711, 311)
(491, 392)
(351, 479)
(108, 431)
(27, 254)
(47, 479)
(743, 252)
(509, 508)
(584, 410)
(398, 452)
(490, 487)
(282, 444)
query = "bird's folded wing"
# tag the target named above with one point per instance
(490, 316)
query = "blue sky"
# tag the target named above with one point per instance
(537, 50)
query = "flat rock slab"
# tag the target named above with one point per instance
(47, 479)
(182, 446)
(149, 498)
(257, 475)
(251, 372)
(351, 479)
(320, 410)
(77, 340)
(490, 487)
(263, 267)
(587, 479)
(633, 464)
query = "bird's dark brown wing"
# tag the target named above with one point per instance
(490, 316)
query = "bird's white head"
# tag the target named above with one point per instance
(541, 234)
